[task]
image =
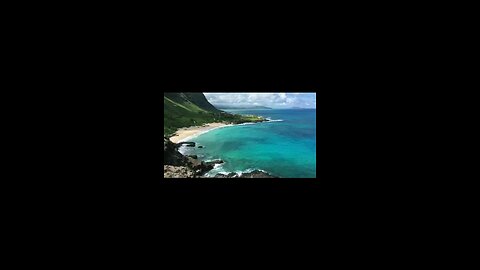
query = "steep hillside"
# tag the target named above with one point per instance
(193, 109)
(191, 101)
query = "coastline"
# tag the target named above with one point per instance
(210, 168)
(187, 133)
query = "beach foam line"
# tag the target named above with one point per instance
(203, 132)
(229, 125)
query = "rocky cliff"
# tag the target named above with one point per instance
(176, 165)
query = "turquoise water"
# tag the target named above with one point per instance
(285, 147)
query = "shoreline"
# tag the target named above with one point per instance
(187, 133)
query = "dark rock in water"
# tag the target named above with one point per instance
(200, 146)
(230, 175)
(188, 144)
(193, 156)
(257, 174)
(193, 163)
(254, 174)
(213, 162)
(200, 167)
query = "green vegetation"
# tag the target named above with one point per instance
(242, 107)
(193, 109)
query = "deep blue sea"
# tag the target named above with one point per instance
(285, 147)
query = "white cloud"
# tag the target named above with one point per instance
(274, 100)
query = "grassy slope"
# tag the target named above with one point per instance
(192, 109)
(177, 115)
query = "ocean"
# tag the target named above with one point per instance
(285, 146)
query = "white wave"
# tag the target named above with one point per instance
(182, 149)
(249, 170)
(217, 169)
(229, 125)
(216, 165)
(220, 170)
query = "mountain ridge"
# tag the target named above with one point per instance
(186, 109)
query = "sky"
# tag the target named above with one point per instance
(272, 100)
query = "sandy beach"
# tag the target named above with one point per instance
(184, 133)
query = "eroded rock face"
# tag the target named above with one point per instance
(171, 156)
(170, 171)
(177, 165)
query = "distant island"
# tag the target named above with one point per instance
(242, 107)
